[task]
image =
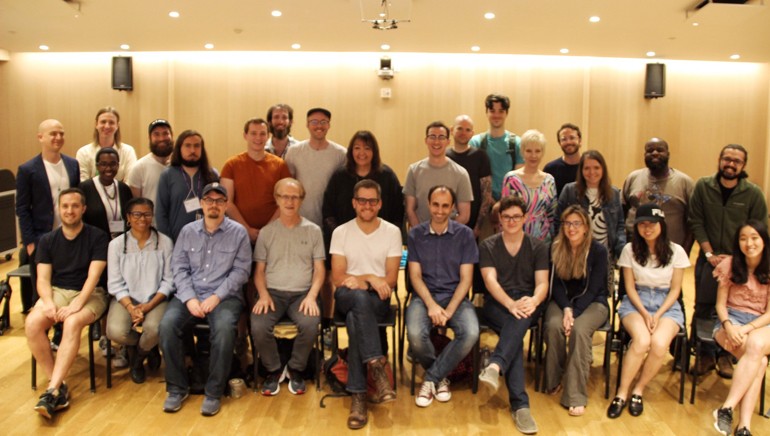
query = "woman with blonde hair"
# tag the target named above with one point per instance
(106, 134)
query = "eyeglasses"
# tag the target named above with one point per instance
(573, 224)
(107, 164)
(730, 160)
(363, 201)
(318, 122)
(511, 218)
(568, 138)
(437, 137)
(208, 201)
(289, 197)
(139, 215)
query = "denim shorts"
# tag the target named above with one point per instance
(737, 317)
(652, 299)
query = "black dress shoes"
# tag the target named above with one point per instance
(616, 407)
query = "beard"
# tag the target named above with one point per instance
(190, 163)
(660, 165)
(281, 133)
(162, 148)
(731, 176)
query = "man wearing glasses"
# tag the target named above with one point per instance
(211, 263)
(289, 275)
(719, 205)
(436, 169)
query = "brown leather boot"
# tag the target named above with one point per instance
(385, 392)
(358, 414)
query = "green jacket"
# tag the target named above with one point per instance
(711, 221)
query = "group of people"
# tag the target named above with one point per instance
(290, 229)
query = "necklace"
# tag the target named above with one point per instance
(107, 191)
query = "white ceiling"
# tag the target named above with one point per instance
(628, 28)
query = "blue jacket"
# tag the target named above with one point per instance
(34, 203)
(613, 215)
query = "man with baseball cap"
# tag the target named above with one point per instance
(143, 178)
(211, 262)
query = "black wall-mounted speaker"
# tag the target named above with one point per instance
(122, 73)
(655, 81)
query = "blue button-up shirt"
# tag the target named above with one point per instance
(206, 264)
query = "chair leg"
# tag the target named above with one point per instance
(34, 374)
(255, 365)
(697, 364)
(606, 364)
(476, 351)
(318, 361)
(395, 355)
(91, 370)
(538, 350)
(109, 363)
(682, 366)
(762, 395)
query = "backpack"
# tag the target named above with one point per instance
(335, 371)
(512, 140)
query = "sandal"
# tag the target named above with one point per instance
(637, 405)
(577, 410)
(616, 407)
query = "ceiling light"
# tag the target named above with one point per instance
(564, 51)
(124, 46)
(43, 47)
(385, 46)
(208, 46)
(296, 46)
(276, 13)
(173, 14)
(594, 19)
(735, 57)
(650, 54)
(489, 15)
(475, 48)
(696, 24)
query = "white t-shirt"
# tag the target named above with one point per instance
(650, 275)
(58, 180)
(145, 175)
(366, 254)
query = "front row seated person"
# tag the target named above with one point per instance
(366, 252)
(650, 312)
(442, 253)
(290, 272)
(514, 266)
(211, 263)
(70, 261)
(139, 278)
(743, 308)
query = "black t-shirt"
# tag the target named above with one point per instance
(70, 259)
(562, 173)
(515, 274)
(476, 162)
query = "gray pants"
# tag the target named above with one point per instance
(571, 369)
(119, 326)
(286, 304)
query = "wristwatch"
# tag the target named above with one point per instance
(709, 255)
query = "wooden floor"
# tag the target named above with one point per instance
(137, 409)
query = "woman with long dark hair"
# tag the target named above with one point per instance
(651, 313)
(743, 310)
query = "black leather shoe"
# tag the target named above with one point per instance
(636, 406)
(616, 407)
(725, 366)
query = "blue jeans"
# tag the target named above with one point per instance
(222, 321)
(362, 311)
(509, 352)
(464, 325)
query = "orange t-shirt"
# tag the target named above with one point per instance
(254, 182)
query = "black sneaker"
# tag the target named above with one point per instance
(154, 359)
(63, 399)
(296, 382)
(723, 420)
(743, 431)
(272, 385)
(47, 404)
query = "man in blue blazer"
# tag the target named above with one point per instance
(38, 183)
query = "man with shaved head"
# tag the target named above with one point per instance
(476, 162)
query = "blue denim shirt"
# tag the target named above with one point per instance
(206, 264)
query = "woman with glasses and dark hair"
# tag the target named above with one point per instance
(743, 309)
(577, 309)
(650, 312)
(141, 281)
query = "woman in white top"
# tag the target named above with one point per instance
(653, 268)
(106, 134)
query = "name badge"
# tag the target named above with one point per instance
(116, 227)
(192, 204)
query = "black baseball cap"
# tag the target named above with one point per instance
(214, 187)
(156, 123)
(649, 212)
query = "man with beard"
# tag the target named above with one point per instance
(180, 185)
(211, 262)
(144, 176)
(719, 205)
(660, 184)
(279, 119)
(564, 169)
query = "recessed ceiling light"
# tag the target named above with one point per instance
(208, 46)
(276, 13)
(594, 19)
(735, 57)
(173, 14)
(296, 46)
(475, 48)
(385, 46)
(564, 51)
(124, 46)
(650, 54)
(696, 24)
(43, 47)
(489, 15)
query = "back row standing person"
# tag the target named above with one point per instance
(279, 119)
(564, 169)
(145, 175)
(106, 134)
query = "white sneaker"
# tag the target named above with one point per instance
(443, 394)
(425, 396)
(489, 378)
(103, 345)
